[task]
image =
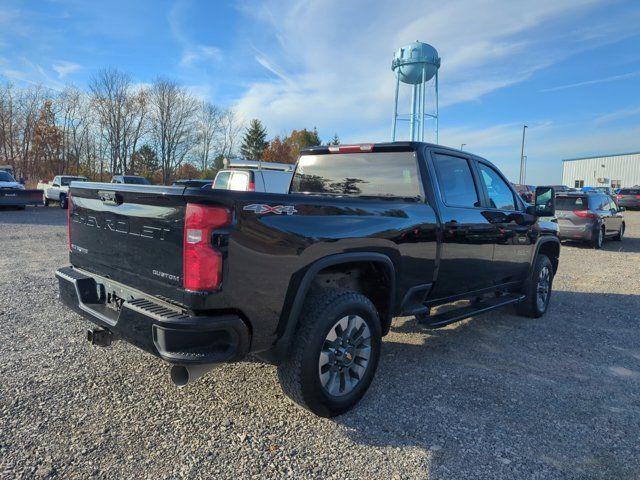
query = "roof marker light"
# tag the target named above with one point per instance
(364, 147)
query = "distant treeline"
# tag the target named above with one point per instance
(160, 131)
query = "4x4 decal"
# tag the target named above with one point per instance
(262, 208)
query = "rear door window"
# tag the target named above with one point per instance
(500, 195)
(456, 181)
(596, 202)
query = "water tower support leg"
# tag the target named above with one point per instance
(422, 102)
(395, 110)
(437, 112)
(413, 113)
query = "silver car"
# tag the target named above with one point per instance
(589, 217)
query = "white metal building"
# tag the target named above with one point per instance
(617, 170)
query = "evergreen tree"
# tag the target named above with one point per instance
(144, 162)
(254, 142)
(335, 140)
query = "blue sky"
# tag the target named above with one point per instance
(570, 70)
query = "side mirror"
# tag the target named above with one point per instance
(622, 209)
(55, 185)
(545, 202)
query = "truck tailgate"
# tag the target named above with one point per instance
(130, 234)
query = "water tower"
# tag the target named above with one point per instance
(416, 64)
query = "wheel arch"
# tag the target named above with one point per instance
(330, 264)
(550, 247)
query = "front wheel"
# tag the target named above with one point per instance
(45, 201)
(537, 289)
(64, 204)
(334, 354)
(620, 234)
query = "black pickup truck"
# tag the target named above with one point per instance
(308, 280)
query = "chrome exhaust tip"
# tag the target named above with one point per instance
(182, 375)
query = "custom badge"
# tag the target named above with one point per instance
(262, 208)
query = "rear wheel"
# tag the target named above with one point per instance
(537, 289)
(45, 201)
(620, 234)
(63, 202)
(598, 239)
(334, 354)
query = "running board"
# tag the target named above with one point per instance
(452, 316)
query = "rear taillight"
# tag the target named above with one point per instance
(619, 196)
(638, 196)
(202, 264)
(585, 214)
(69, 208)
(251, 187)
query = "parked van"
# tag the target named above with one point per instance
(252, 176)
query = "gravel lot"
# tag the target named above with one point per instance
(497, 396)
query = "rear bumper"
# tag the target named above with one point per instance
(19, 198)
(577, 232)
(152, 325)
(629, 203)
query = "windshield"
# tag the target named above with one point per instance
(388, 174)
(67, 180)
(6, 177)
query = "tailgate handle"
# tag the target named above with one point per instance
(109, 198)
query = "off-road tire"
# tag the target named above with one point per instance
(64, 204)
(45, 201)
(298, 373)
(530, 306)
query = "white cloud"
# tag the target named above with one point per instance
(192, 52)
(547, 143)
(596, 81)
(618, 115)
(64, 68)
(330, 62)
(200, 53)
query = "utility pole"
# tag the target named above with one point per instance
(462, 145)
(522, 158)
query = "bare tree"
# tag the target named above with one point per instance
(229, 135)
(208, 128)
(172, 116)
(121, 112)
(19, 111)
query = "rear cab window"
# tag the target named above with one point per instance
(239, 181)
(222, 180)
(67, 180)
(375, 174)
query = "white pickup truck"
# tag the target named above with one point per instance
(58, 189)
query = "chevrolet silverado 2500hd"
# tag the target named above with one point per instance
(308, 280)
